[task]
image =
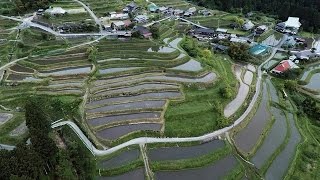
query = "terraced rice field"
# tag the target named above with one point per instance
(219, 169)
(120, 160)
(134, 84)
(314, 82)
(178, 152)
(243, 91)
(249, 136)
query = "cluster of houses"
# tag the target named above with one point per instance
(291, 26)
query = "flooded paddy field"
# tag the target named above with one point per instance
(4, 117)
(205, 79)
(128, 106)
(67, 71)
(114, 70)
(248, 137)
(273, 140)
(273, 91)
(137, 174)
(25, 78)
(118, 131)
(191, 65)
(215, 171)
(162, 49)
(248, 77)
(176, 153)
(119, 160)
(307, 72)
(60, 59)
(280, 165)
(123, 117)
(146, 86)
(145, 96)
(314, 82)
(243, 91)
(19, 130)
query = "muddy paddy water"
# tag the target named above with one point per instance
(243, 91)
(273, 140)
(118, 131)
(280, 165)
(162, 49)
(248, 137)
(307, 72)
(4, 117)
(123, 117)
(248, 77)
(137, 174)
(25, 78)
(147, 86)
(176, 153)
(114, 70)
(191, 65)
(68, 71)
(314, 82)
(273, 91)
(119, 160)
(205, 79)
(217, 170)
(153, 96)
(131, 105)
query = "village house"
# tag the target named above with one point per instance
(307, 54)
(143, 31)
(178, 12)
(56, 11)
(292, 26)
(190, 12)
(222, 30)
(119, 16)
(163, 9)
(132, 7)
(205, 12)
(203, 32)
(284, 66)
(141, 19)
(261, 29)
(120, 25)
(247, 25)
(153, 8)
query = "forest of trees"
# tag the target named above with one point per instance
(41, 158)
(307, 10)
(26, 5)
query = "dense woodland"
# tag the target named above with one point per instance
(38, 156)
(25, 5)
(307, 10)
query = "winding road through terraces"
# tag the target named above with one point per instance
(146, 140)
(96, 19)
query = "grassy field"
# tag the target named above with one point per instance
(197, 114)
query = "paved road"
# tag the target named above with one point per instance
(32, 24)
(190, 22)
(145, 140)
(6, 147)
(96, 19)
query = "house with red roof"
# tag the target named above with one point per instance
(284, 66)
